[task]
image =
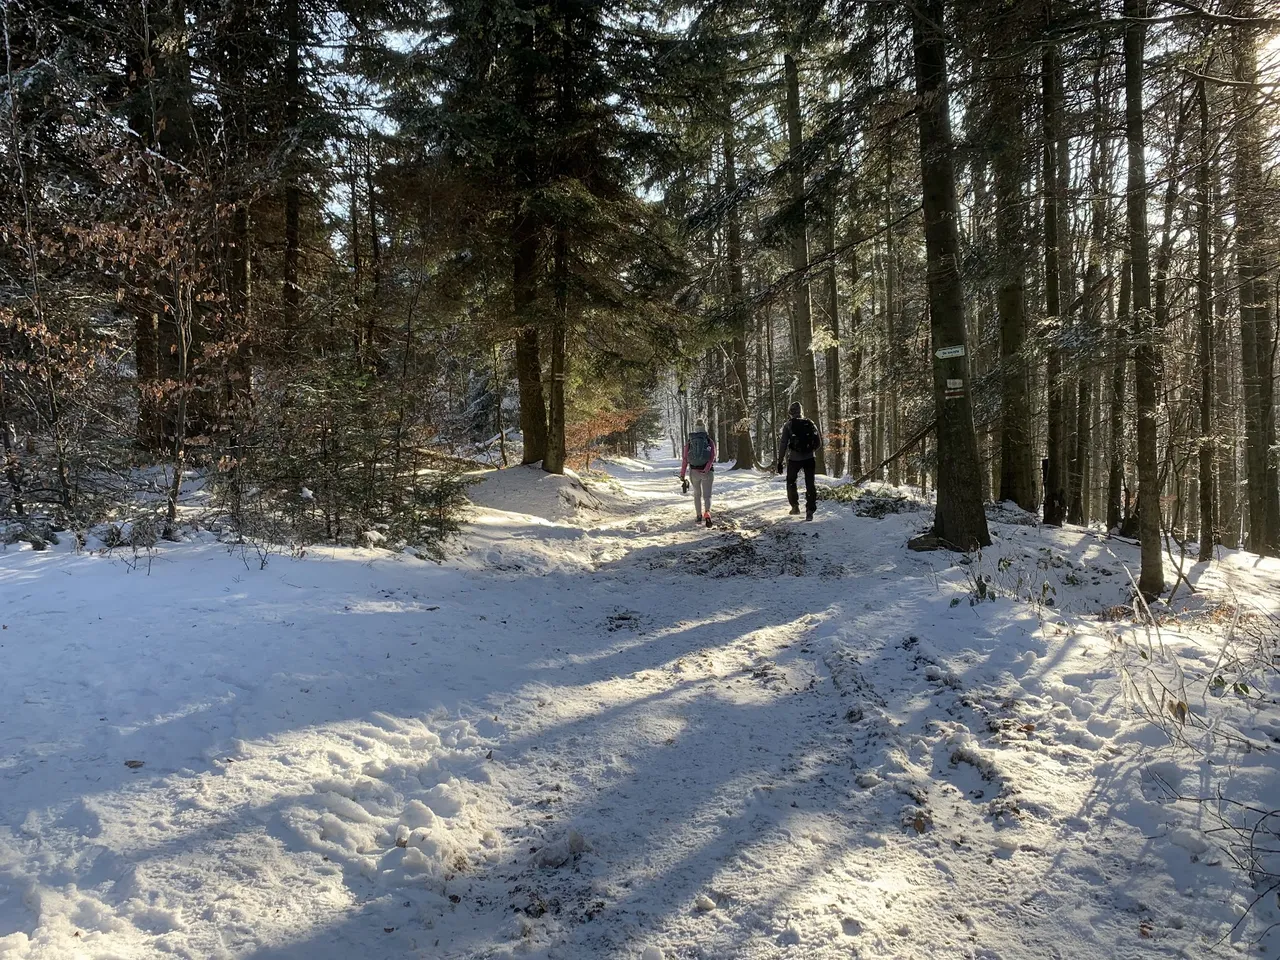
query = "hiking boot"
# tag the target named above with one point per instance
(706, 517)
(795, 511)
(808, 514)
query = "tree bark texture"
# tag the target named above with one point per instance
(855, 354)
(835, 418)
(1119, 364)
(533, 407)
(1257, 334)
(1226, 412)
(959, 521)
(744, 451)
(1017, 461)
(554, 459)
(802, 320)
(1055, 505)
(1146, 354)
(1204, 317)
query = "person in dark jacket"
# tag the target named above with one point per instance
(798, 448)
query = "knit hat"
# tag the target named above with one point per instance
(796, 410)
(699, 424)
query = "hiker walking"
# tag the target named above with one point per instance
(699, 463)
(799, 443)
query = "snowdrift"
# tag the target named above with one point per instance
(601, 731)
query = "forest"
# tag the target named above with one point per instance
(324, 255)
(352, 357)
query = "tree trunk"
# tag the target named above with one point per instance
(1078, 507)
(374, 304)
(980, 367)
(183, 303)
(758, 383)
(1017, 470)
(533, 408)
(1094, 292)
(855, 371)
(526, 234)
(554, 459)
(1069, 469)
(237, 395)
(707, 392)
(725, 405)
(774, 434)
(889, 369)
(835, 418)
(1256, 331)
(1164, 253)
(1204, 310)
(959, 521)
(1146, 352)
(1119, 361)
(1227, 407)
(744, 453)
(1098, 469)
(803, 319)
(1055, 475)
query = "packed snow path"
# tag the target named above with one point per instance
(605, 732)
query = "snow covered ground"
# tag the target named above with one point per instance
(601, 731)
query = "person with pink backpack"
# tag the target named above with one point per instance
(699, 463)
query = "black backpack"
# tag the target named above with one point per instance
(804, 437)
(699, 450)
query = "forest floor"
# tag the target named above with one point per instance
(601, 731)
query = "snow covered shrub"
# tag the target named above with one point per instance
(981, 585)
(1011, 513)
(65, 395)
(439, 505)
(38, 533)
(844, 493)
(337, 454)
(767, 553)
(1213, 721)
(874, 502)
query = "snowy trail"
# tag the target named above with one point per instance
(592, 737)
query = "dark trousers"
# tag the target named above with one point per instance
(810, 491)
